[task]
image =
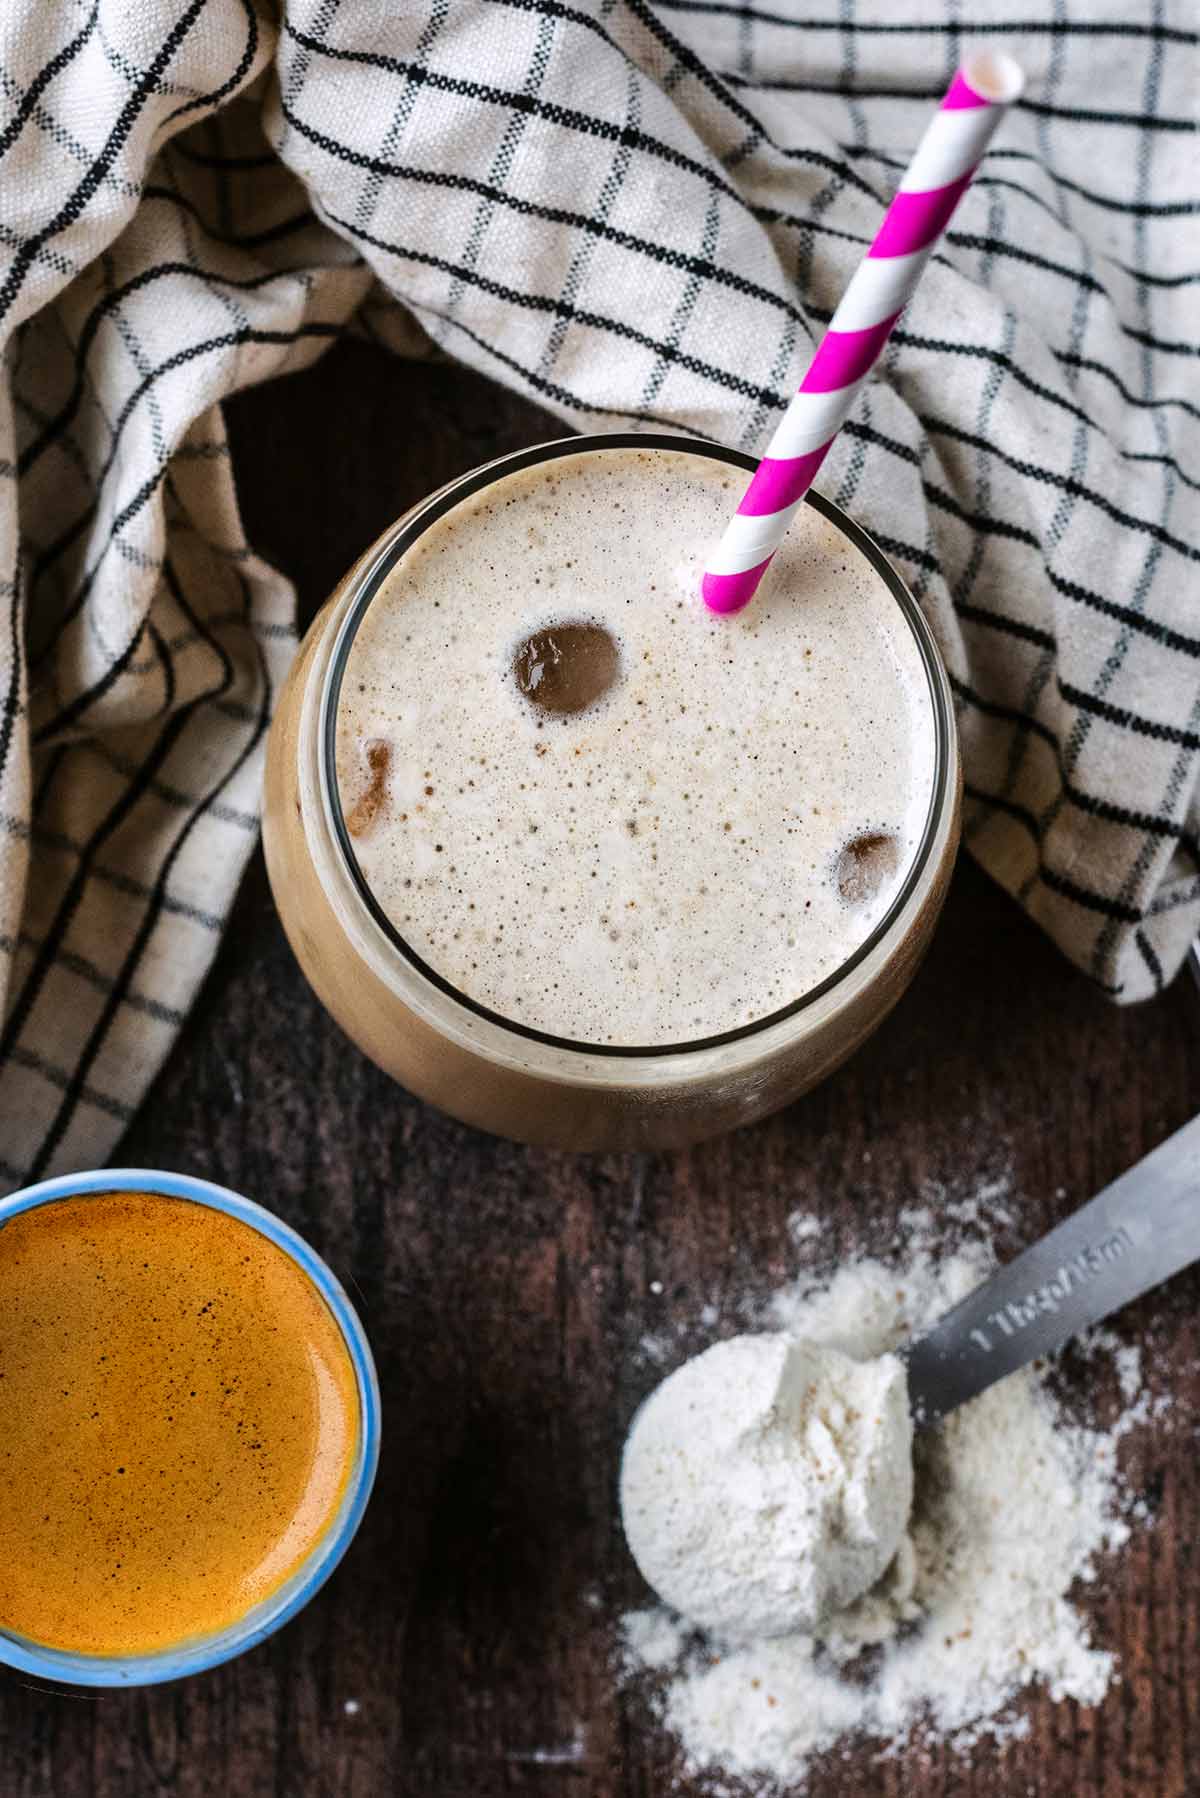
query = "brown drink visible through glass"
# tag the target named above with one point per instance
(574, 858)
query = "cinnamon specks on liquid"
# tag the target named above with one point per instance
(360, 818)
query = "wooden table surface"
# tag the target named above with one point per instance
(464, 1647)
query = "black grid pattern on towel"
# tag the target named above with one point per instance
(632, 213)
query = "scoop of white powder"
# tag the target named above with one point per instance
(767, 1483)
(1014, 1500)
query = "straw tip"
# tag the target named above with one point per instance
(995, 76)
(726, 593)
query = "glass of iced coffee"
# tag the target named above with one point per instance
(573, 858)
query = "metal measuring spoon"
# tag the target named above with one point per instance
(1134, 1234)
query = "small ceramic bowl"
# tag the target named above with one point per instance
(201, 1652)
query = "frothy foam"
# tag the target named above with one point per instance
(715, 827)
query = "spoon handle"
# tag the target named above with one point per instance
(1134, 1234)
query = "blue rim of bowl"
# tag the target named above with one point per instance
(67, 1668)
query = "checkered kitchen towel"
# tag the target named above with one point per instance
(630, 212)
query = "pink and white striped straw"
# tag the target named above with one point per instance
(882, 285)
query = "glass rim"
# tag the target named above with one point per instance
(396, 542)
(197, 1654)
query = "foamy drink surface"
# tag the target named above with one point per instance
(597, 809)
(178, 1421)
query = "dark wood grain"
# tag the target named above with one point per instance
(469, 1633)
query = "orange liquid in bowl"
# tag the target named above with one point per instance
(178, 1422)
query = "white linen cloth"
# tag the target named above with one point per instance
(629, 212)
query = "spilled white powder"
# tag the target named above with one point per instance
(1014, 1501)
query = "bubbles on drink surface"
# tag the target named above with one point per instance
(608, 814)
(867, 864)
(566, 668)
(377, 754)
